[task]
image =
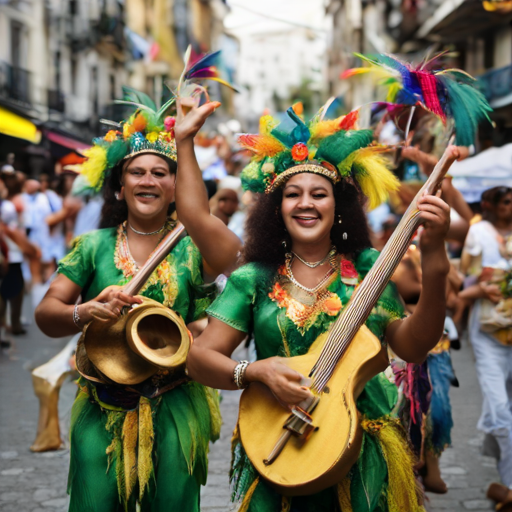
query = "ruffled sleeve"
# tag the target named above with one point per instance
(390, 306)
(235, 305)
(78, 264)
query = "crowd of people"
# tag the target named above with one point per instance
(289, 253)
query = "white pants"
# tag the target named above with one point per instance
(494, 368)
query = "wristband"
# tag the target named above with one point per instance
(239, 374)
(76, 317)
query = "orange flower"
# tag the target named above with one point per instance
(111, 136)
(278, 294)
(332, 305)
(300, 152)
(139, 123)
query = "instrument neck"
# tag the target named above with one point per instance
(160, 253)
(368, 292)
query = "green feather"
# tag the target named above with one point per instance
(116, 152)
(335, 148)
(468, 107)
(131, 94)
(252, 178)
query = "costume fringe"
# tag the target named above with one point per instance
(244, 506)
(146, 438)
(212, 397)
(344, 497)
(403, 490)
(129, 436)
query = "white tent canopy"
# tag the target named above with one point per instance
(490, 168)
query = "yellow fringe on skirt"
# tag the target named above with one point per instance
(403, 491)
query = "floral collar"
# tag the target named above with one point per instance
(304, 310)
(163, 276)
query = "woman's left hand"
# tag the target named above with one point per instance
(435, 214)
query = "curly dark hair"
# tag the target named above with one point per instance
(115, 212)
(265, 228)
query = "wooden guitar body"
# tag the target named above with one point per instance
(306, 466)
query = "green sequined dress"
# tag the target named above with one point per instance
(142, 444)
(258, 301)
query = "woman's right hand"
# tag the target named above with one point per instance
(284, 382)
(191, 117)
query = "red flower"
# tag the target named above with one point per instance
(300, 152)
(278, 293)
(348, 269)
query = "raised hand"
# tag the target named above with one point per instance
(191, 117)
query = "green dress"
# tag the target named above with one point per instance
(258, 301)
(147, 444)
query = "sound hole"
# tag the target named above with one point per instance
(160, 333)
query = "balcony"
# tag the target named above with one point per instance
(15, 84)
(56, 101)
(496, 85)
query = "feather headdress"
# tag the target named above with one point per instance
(148, 129)
(449, 93)
(333, 148)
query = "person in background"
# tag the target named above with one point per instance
(12, 287)
(487, 255)
(224, 204)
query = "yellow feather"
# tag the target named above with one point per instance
(323, 129)
(146, 436)
(94, 167)
(344, 495)
(267, 123)
(130, 431)
(403, 490)
(372, 174)
(244, 507)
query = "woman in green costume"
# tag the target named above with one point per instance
(307, 248)
(143, 445)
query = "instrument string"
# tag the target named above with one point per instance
(362, 302)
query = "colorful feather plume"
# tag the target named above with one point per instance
(333, 148)
(448, 94)
(200, 67)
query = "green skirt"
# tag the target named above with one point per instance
(154, 455)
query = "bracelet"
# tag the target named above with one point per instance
(76, 317)
(239, 374)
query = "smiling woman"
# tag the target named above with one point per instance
(307, 250)
(143, 446)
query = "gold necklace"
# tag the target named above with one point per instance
(315, 264)
(312, 291)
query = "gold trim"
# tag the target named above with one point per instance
(297, 169)
(172, 155)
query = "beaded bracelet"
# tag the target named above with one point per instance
(239, 374)
(76, 317)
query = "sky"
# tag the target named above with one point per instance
(263, 15)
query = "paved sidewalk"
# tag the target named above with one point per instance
(37, 482)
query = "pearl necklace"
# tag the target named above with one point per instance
(147, 234)
(315, 264)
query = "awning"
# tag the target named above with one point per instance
(16, 126)
(67, 142)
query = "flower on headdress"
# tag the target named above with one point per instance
(169, 123)
(268, 168)
(111, 136)
(332, 305)
(152, 137)
(139, 123)
(300, 152)
(128, 130)
(349, 274)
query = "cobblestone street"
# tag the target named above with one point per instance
(37, 482)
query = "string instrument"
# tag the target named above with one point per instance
(315, 446)
(144, 339)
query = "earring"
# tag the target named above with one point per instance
(345, 236)
(283, 243)
(339, 218)
(116, 194)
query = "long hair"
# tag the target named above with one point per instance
(265, 228)
(115, 212)
(490, 200)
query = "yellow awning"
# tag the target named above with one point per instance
(16, 126)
